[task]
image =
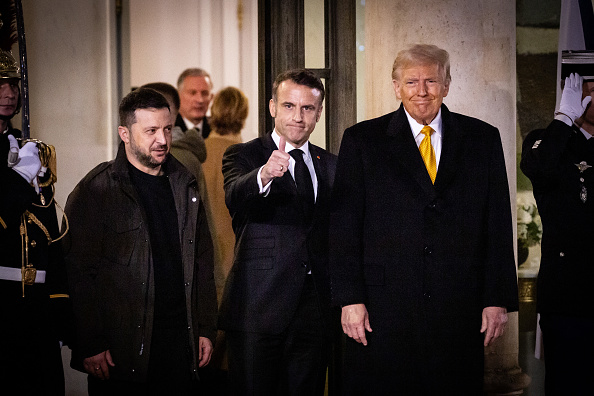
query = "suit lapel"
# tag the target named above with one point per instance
(321, 174)
(451, 149)
(406, 152)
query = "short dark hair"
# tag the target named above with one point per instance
(167, 90)
(301, 77)
(141, 98)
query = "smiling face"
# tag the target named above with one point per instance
(421, 89)
(148, 140)
(195, 96)
(296, 111)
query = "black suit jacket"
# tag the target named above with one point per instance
(567, 259)
(179, 121)
(274, 247)
(425, 259)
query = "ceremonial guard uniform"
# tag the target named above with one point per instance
(559, 161)
(34, 304)
(33, 287)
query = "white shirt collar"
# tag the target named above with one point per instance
(416, 127)
(191, 125)
(586, 133)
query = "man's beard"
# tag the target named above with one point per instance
(144, 158)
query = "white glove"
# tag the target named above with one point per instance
(28, 165)
(572, 105)
(13, 152)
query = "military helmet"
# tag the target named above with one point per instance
(8, 66)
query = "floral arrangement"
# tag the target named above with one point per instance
(529, 224)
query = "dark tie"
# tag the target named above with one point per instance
(304, 183)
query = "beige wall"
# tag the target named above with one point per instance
(70, 52)
(168, 37)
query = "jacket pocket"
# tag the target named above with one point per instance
(257, 253)
(120, 241)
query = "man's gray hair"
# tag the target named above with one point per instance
(193, 72)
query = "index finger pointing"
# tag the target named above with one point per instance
(281, 144)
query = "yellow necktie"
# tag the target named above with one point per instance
(428, 153)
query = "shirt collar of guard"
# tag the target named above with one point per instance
(585, 133)
(416, 127)
(289, 146)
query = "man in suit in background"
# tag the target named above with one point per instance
(195, 93)
(421, 240)
(276, 303)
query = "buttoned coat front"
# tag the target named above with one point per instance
(424, 258)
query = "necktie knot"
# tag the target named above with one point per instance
(297, 155)
(427, 130)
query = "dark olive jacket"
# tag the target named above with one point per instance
(109, 261)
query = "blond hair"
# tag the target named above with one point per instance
(229, 111)
(422, 54)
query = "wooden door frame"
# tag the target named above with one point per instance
(281, 27)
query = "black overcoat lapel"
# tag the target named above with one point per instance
(406, 152)
(451, 150)
(320, 167)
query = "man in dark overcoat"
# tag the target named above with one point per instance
(421, 240)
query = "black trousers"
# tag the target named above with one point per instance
(568, 354)
(291, 363)
(30, 356)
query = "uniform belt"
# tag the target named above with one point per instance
(14, 274)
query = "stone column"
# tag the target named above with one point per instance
(503, 375)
